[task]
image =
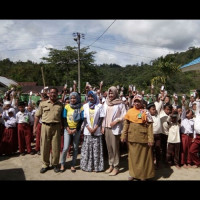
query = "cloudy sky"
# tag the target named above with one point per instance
(115, 41)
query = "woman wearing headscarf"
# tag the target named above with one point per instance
(112, 125)
(73, 118)
(138, 132)
(92, 147)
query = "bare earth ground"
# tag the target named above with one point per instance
(28, 167)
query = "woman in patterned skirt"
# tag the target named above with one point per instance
(92, 147)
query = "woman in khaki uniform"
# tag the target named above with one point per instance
(138, 132)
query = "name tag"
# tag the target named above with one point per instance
(139, 115)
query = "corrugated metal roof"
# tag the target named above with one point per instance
(7, 82)
(194, 62)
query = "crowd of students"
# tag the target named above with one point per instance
(154, 129)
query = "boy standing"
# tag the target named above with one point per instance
(24, 119)
(173, 148)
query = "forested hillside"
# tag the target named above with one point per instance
(61, 66)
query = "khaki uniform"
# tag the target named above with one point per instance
(51, 116)
(140, 156)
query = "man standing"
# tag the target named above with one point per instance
(50, 112)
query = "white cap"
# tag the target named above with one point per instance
(11, 110)
(194, 103)
(123, 99)
(7, 102)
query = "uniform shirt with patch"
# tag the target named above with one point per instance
(50, 112)
(24, 117)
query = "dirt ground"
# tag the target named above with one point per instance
(28, 167)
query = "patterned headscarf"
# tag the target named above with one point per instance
(92, 104)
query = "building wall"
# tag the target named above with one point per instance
(191, 68)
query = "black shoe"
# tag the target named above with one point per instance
(22, 154)
(43, 170)
(62, 170)
(73, 170)
(38, 153)
(56, 169)
(32, 152)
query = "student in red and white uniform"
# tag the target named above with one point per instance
(187, 131)
(157, 130)
(24, 120)
(8, 142)
(195, 146)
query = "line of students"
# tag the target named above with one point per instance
(172, 138)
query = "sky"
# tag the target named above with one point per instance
(123, 42)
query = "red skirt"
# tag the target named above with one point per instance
(9, 141)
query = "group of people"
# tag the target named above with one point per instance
(153, 130)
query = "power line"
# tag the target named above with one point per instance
(102, 33)
(121, 52)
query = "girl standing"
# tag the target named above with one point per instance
(112, 125)
(92, 147)
(73, 118)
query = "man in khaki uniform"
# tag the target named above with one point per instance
(50, 112)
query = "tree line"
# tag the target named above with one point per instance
(61, 66)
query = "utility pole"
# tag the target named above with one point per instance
(43, 76)
(77, 37)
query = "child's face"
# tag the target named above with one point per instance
(67, 102)
(189, 115)
(173, 119)
(7, 107)
(10, 114)
(167, 110)
(152, 110)
(29, 108)
(179, 110)
(194, 106)
(192, 99)
(167, 99)
(21, 108)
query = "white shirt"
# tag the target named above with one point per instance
(99, 112)
(157, 104)
(24, 117)
(165, 127)
(197, 119)
(32, 113)
(157, 126)
(174, 132)
(11, 122)
(187, 125)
